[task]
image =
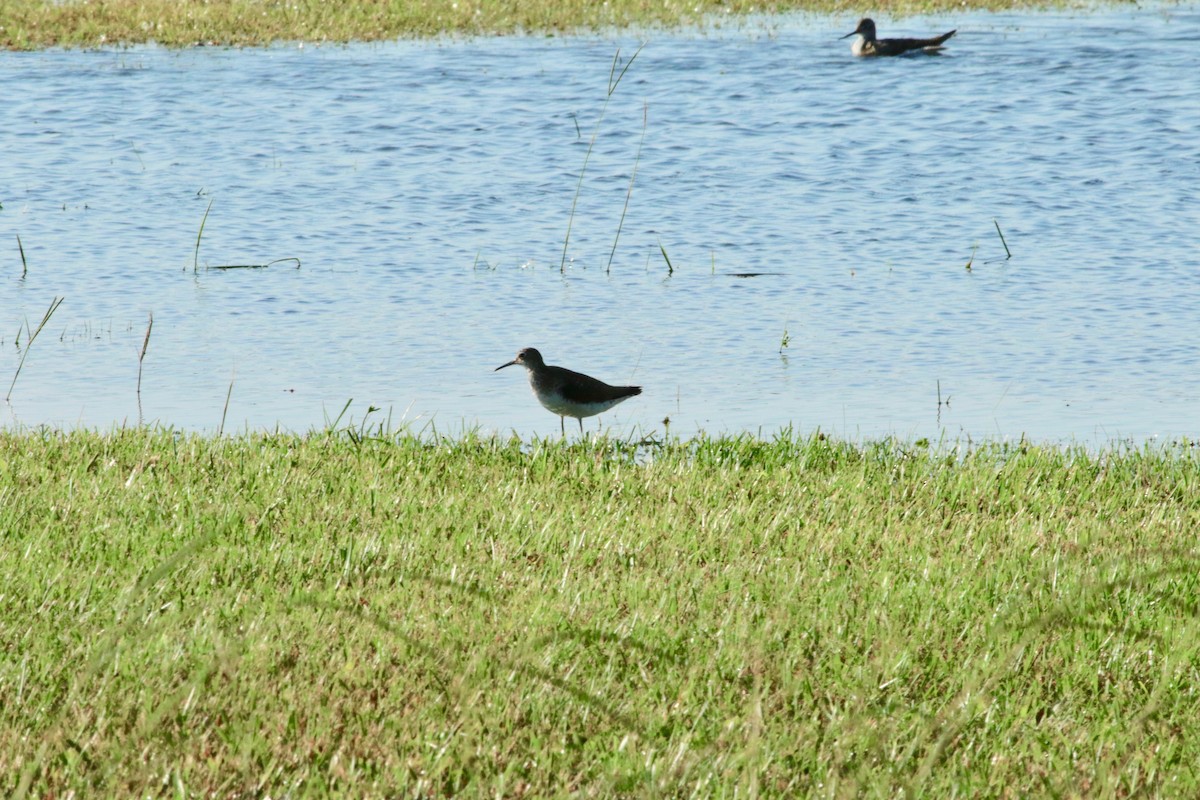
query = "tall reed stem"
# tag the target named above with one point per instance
(29, 342)
(614, 80)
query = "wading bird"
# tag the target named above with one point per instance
(567, 393)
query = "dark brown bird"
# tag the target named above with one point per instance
(567, 393)
(867, 45)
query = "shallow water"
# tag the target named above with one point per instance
(427, 189)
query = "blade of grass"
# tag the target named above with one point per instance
(255, 266)
(613, 83)
(663, 250)
(629, 193)
(29, 342)
(1006, 250)
(142, 355)
(331, 427)
(196, 256)
(225, 411)
(24, 265)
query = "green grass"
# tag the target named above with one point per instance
(26, 24)
(353, 616)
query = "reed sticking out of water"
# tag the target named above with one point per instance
(225, 410)
(196, 256)
(628, 194)
(24, 265)
(941, 402)
(255, 266)
(1007, 254)
(142, 355)
(29, 342)
(614, 80)
(663, 250)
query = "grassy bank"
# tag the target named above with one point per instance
(272, 615)
(92, 23)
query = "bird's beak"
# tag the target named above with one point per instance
(502, 366)
(847, 36)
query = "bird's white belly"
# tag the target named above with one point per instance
(565, 408)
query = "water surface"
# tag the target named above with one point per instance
(427, 188)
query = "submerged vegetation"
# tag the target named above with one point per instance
(362, 614)
(26, 24)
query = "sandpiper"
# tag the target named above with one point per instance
(867, 45)
(567, 393)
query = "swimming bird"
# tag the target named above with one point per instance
(867, 45)
(567, 393)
